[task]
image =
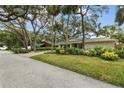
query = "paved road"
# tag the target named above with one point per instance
(22, 72)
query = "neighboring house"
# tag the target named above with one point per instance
(89, 43)
(45, 44)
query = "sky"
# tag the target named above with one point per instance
(109, 18)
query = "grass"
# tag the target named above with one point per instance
(108, 71)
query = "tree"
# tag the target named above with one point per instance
(53, 11)
(120, 15)
(38, 20)
(119, 36)
(68, 10)
(19, 26)
(12, 12)
(10, 39)
(89, 13)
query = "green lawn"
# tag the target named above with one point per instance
(108, 71)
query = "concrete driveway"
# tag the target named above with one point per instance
(23, 72)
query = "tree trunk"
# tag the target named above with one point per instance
(52, 46)
(83, 32)
(25, 39)
(34, 44)
(30, 41)
(25, 45)
(67, 31)
(54, 39)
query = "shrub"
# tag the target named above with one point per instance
(92, 52)
(86, 52)
(19, 50)
(109, 56)
(15, 50)
(120, 52)
(43, 48)
(69, 50)
(57, 50)
(81, 52)
(101, 50)
(77, 51)
(73, 51)
(62, 51)
(109, 50)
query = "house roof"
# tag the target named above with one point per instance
(46, 41)
(93, 40)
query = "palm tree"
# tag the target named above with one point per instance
(120, 15)
(53, 11)
(68, 10)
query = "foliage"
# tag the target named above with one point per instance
(105, 53)
(93, 52)
(90, 52)
(120, 15)
(109, 56)
(57, 50)
(74, 51)
(43, 48)
(19, 50)
(99, 50)
(120, 52)
(10, 39)
(13, 12)
(60, 51)
(86, 52)
(119, 36)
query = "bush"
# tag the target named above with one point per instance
(62, 51)
(76, 51)
(101, 50)
(57, 50)
(73, 51)
(109, 56)
(109, 50)
(43, 48)
(19, 50)
(86, 52)
(91, 52)
(70, 50)
(120, 52)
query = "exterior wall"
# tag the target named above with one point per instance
(92, 45)
(102, 44)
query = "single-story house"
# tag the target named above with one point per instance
(89, 43)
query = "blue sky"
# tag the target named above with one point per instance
(109, 18)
